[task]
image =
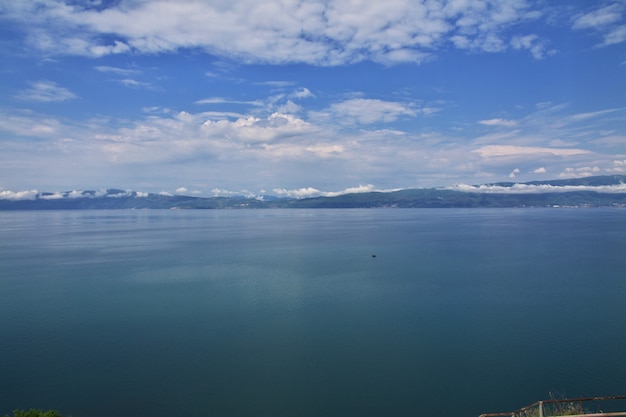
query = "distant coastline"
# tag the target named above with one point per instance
(597, 191)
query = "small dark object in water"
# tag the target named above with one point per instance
(373, 255)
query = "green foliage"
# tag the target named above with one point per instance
(35, 413)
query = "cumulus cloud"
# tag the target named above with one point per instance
(18, 195)
(308, 192)
(514, 172)
(305, 192)
(302, 93)
(321, 33)
(537, 188)
(74, 194)
(580, 172)
(45, 91)
(289, 108)
(292, 147)
(619, 167)
(218, 192)
(255, 129)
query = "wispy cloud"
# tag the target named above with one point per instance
(494, 151)
(498, 122)
(607, 20)
(46, 91)
(278, 84)
(222, 100)
(600, 18)
(118, 71)
(590, 115)
(532, 43)
(277, 103)
(129, 82)
(368, 111)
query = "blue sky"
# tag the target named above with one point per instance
(308, 98)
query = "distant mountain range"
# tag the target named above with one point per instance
(598, 191)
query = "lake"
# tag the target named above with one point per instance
(349, 312)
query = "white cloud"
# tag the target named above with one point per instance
(599, 18)
(279, 103)
(23, 124)
(18, 195)
(322, 33)
(368, 111)
(540, 170)
(52, 196)
(128, 82)
(45, 91)
(308, 192)
(590, 115)
(302, 93)
(533, 44)
(580, 172)
(116, 70)
(305, 192)
(493, 151)
(156, 110)
(289, 108)
(58, 195)
(607, 20)
(292, 148)
(352, 190)
(222, 100)
(619, 167)
(537, 188)
(514, 172)
(277, 84)
(325, 150)
(615, 36)
(218, 192)
(498, 122)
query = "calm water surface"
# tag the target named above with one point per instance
(286, 312)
